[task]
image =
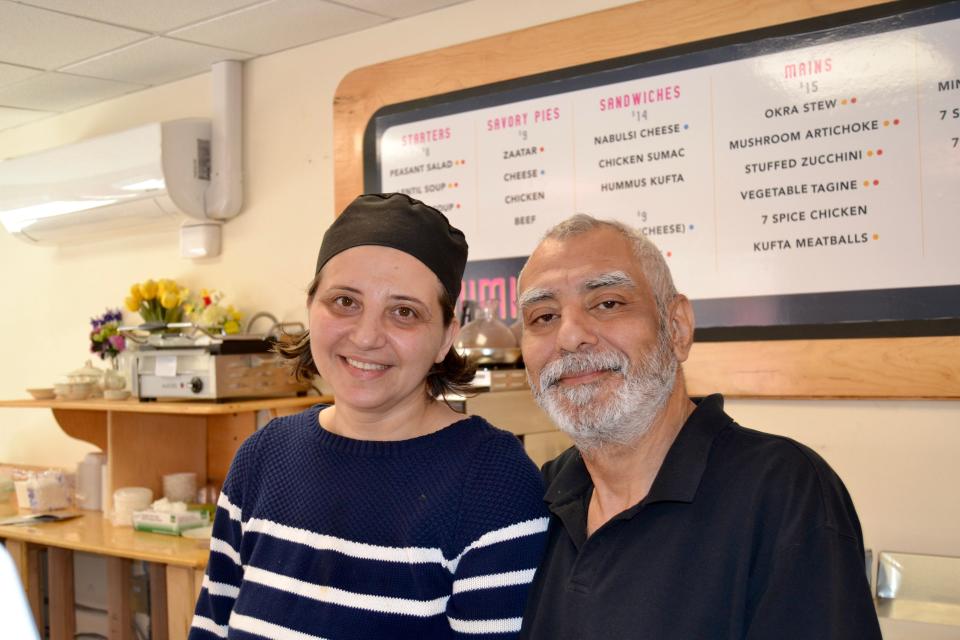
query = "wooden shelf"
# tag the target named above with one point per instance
(144, 441)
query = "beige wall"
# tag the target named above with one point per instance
(896, 457)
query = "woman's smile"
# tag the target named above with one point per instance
(363, 365)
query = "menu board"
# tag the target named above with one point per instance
(806, 176)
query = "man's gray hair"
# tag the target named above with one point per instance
(650, 257)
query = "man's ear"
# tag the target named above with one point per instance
(682, 323)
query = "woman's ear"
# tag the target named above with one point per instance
(449, 335)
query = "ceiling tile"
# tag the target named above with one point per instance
(10, 118)
(155, 61)
(145, 15)
(61, 92)
(399, 9)
(11, 73)
(65, 39)
(278, 25)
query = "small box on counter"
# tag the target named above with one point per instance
(169, 522)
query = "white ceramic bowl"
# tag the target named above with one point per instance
(42, 394)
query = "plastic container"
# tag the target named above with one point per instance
(89, 479)
(43, 491)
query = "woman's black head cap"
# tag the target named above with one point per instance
(398, 221)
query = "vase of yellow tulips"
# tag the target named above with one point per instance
(161, 301)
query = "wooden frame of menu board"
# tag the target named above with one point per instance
(919, 366)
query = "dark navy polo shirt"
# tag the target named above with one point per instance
(743, 535)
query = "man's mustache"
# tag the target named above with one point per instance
(571, 364)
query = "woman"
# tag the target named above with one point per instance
(386, 515)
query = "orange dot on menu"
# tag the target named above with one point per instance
(886, 123)
(876, 236)
(866, 183)
(844, 101)
(669, 254)
(869, 153)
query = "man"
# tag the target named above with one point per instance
(670, 520)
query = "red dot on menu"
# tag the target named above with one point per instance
(876, 182)
(853, 100)
(879, 152)
(896, 121)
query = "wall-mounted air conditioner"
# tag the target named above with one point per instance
(128, 179)
(132, 179)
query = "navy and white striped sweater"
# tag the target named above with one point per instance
(321, 536)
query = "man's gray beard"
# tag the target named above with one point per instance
(625, 416)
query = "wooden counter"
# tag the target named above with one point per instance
(176, 572)
(92, 533)
(142, 441)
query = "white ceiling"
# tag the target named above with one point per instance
(58, 55)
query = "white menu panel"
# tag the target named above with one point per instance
(827, 168)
